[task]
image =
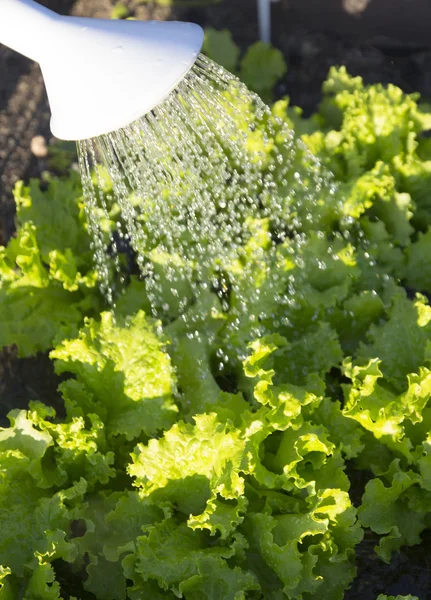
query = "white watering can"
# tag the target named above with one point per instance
(100, 75)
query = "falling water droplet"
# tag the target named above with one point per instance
(192, 183)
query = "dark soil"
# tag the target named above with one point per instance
(384, 41)
(408, 573)
(25, 380)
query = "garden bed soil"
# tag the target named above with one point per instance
(382, 40)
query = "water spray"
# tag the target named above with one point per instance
(174, 151)
(100, 74)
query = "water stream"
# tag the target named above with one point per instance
(185, 181)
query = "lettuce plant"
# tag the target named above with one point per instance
(211, 455)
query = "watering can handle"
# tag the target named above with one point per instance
(25, 26)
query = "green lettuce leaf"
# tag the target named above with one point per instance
(382, 411)
(220, 47)
(400, 342)
(292, 547)
(183, 560)
(368, 123)
(261, 68)
(391, 511)
(194, 460)
(123, 375)
(418, 271)
(35, 310)
(384, 597)
(6, 591)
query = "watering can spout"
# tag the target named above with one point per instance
(25, 27)
(100, 74)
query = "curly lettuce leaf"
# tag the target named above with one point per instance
(6, 588)
(388, 415)
(400, 342)
(111, 524)
(191, 461)
(79, 447)
(34, 526)
(122, 374)
(345, 433)
(418, 269)
(315, 568)
(184, 561)
(414, 177)
(367, 123)
(42, 467)
(220, 47)
(261, 68)
(390, 511)
(58, 216)
(353, 319)
(47, 274)
(35, 310)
